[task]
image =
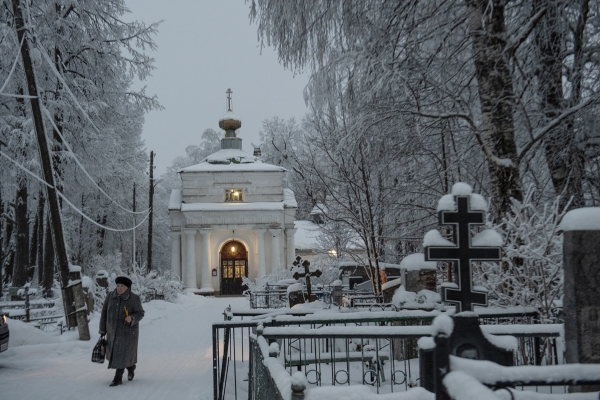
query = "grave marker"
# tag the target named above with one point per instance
(306, 274)
(463, 254)
(581, 262)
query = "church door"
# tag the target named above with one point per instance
(234, 266)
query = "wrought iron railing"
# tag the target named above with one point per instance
(377, 349)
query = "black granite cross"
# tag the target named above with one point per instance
(306, 274)
(463, 254)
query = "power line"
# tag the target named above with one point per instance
(83, 168)
(80, 212)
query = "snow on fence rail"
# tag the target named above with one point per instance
(377, 349)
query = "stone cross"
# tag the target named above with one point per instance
(306, 274)
(464, 297)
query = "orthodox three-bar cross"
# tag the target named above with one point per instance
(306, 274)
(229, 92)
(461, 220)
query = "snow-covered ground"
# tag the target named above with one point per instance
(174, 357)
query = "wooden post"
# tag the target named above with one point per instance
(72, 295)
(150, 205)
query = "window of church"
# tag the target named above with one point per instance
(233, 194)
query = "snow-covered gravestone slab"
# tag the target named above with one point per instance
(581, 257)
(418, 274)
(463, 251)
(295, 294)
(465, 339)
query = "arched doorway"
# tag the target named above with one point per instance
(234, 266)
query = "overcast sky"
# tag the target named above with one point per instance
(206, 47)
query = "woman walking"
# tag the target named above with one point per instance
(121, 314)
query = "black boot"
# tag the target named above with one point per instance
(130, 372)
(118, 379)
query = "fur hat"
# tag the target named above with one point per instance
(123, 280)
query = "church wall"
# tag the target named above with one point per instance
(217, 238)
(210, 187)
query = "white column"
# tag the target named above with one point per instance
(275, 249)
(190, 270)
(176, 254)
(205, 265)
(262, 269)
(291, 246)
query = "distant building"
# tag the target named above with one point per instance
(232, 218)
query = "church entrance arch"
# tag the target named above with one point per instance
(234, 266)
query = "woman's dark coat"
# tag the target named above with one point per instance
(121, 337)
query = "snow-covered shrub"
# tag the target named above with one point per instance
(270, 279)
(531, 272)
(147, 285)
(109, 262)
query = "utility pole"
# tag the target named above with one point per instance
(150, 203)
(133, 251)
(72, 291)
(1, 230)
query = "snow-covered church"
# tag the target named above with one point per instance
(232, 218)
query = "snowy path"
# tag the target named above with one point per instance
(174, 358)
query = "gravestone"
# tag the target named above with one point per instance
(467, 339)
(389, 288)
(462, 254)
(306, 274)
(295, 297)
(337, 292)
(581, 257)
(418, 274)
(102, 279)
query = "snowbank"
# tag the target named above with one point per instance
(24, 334)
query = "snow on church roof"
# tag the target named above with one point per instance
(175, 200)
(306, 236)
(289, 200)
(232, 160)
(233, 206)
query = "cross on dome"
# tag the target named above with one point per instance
(229, 92)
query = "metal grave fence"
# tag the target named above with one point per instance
(377, 349)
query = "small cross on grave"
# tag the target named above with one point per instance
(306, 274)
(464, 297)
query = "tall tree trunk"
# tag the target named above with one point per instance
(40, 238)
(488, 35)
(33, 265)
(9, 252)
(80, 239)
(2, 232)
(564, 160)
(72, 294)
(101, 233)
(48, 271)
(21, 265)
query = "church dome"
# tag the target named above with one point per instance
(230, 122)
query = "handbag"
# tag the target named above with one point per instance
(99, 352)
